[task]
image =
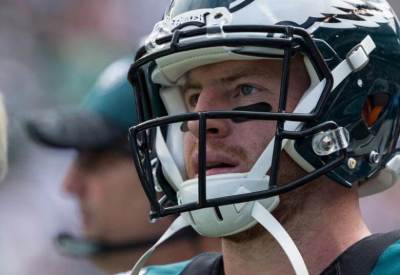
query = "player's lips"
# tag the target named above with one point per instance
(216, 163)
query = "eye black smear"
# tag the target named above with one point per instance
(257, 107)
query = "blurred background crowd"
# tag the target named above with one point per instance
(51, 52)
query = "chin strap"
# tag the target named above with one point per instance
(178, 224)
(260, 214)
(267, 220)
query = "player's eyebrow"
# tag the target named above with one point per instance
(241, 73)
(245, 73)
(191, 85)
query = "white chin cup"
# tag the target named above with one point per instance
(233, 218)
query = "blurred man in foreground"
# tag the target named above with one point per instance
(103, 179)
(3, 139)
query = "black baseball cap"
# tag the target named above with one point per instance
(101, 120)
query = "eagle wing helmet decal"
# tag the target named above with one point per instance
(346, 14)
(313, 15)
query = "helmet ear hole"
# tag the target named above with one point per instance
(373, 108)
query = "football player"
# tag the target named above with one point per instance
(277, 116)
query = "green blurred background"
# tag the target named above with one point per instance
(50, 54)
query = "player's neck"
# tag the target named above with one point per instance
(322, 231)
(115, 262)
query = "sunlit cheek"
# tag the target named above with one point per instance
(254, 136)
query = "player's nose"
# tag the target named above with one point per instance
(208, 100)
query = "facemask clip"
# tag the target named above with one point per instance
(329, 142)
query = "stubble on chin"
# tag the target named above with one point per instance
(290, 208)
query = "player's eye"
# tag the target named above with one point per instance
(191, 98)
(247, 89)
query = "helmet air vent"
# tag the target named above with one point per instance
(373, 108)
